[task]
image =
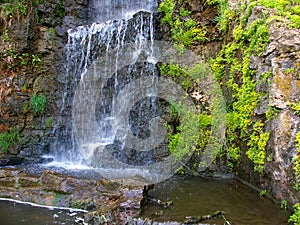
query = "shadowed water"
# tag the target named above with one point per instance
(192, 196)
(195, 196)
(15, 214)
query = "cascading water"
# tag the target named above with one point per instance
(115, 125)
(120, 101)
(104, 10)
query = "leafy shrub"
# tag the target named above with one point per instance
(185, 31)
(8, 139)
(38, 103)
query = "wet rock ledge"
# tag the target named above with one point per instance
(106, 201)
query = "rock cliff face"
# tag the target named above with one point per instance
(281, 57)
(33, 57)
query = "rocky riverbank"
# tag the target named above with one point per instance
(103, 200)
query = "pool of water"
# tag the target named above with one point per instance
(195, 196)
(15, 214)
(191, 196)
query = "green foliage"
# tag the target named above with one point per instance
(234, 58)
(257, 146)
(212, 2)
(205, 121)
(52, 33)
(38, 103)
(185, 31)
(167, 7)
(263, 192)
(283, 205)
(49, 122)
(60, 9)
(25, 107)
(17, 58)
(290, 71)
(286, 8)
(295, 217)
(24, 58)
(226, 15)
(195, 130)
(12, 9)
(296, 107)
(35, 60)
(8, 139)
(265, 76)
(183, 143)
(184, 12)
(297, 158)
(271, 112)
(181, 171)
(178, 74)
(281, 5)
(6, 36)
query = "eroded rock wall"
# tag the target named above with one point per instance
(282, 90)
(33, 53)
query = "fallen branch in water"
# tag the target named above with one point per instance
(160, 202)
(198, 219)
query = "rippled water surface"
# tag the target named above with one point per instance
(196, 196)
(15, 214)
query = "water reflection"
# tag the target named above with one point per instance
(196, 196)
(15, 214)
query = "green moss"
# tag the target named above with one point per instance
(9, 139)
(38, 103)
(185, 31)
(296, 9)
(167, 7)
(263, 192)
(16, 9)
(297, 158)
(295, 217)
(280, 5)
(20, 59)
(194, 133)
(271, 112)
(49, 122)
(296, 107)
(60, 9)
(226, 15)
(178, 74)
(183, 143)
(256, 146)
(286, 8)
(234, 60)
(6, 37)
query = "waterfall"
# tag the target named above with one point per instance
(104, 10)
(115, 106)
(97, 53)
(118, 99)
